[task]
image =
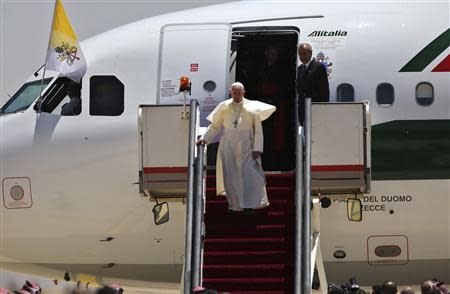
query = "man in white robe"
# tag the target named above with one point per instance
(239, 172)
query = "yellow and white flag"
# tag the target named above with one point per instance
(64, 54)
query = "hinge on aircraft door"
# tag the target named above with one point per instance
(184, 115)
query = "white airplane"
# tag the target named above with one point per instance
(70, 195)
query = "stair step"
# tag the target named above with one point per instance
(245, 257)
(239, 244)
(247, 283)
(243, 270)
(276, 203)
(259, 217)
(272, 180)
(263, 213)
(281, 180)
(272, 193)
(219, 213)
(246, 230)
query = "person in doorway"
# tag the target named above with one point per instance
(239, 172)
(73, 107)
(312, 80)
(271, 83)
(273, 86)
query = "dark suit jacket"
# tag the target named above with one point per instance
(73, 107)
(312, 83)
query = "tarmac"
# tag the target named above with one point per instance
(13, 280)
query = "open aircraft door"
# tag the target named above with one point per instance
(201, 53)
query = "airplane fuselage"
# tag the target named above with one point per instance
(82, 171)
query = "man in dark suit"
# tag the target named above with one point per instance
(312, 80)
(73, 107)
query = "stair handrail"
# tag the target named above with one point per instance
(199, 212)
(298, 209)
(193, 133)
(303, 275)
(195, 204)
(307, 203)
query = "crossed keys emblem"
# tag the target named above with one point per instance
(67, 53)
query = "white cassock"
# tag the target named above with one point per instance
(239, 176)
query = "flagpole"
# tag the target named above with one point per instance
(40, 93)
(45, 63)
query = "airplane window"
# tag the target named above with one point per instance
(345, 93)
(424, 94)
(106, 96)
(25, 96)
(385, 94)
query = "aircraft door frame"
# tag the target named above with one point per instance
(269, 76)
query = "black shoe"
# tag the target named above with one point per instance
(249, 211)
(231, 212)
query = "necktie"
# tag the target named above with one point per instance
(302, 68)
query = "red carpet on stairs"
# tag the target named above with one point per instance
(245, 254)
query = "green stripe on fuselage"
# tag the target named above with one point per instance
(411, 149)
(428, 54)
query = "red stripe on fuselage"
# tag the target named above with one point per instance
(444, 66)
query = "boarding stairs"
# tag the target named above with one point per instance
(251, 253)
(276, 250)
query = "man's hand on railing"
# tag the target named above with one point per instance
(201, 142)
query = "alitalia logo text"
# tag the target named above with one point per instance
(328, 33)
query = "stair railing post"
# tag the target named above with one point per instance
(198, 218)
(306, 270)
(298, 210)
(193, 127)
